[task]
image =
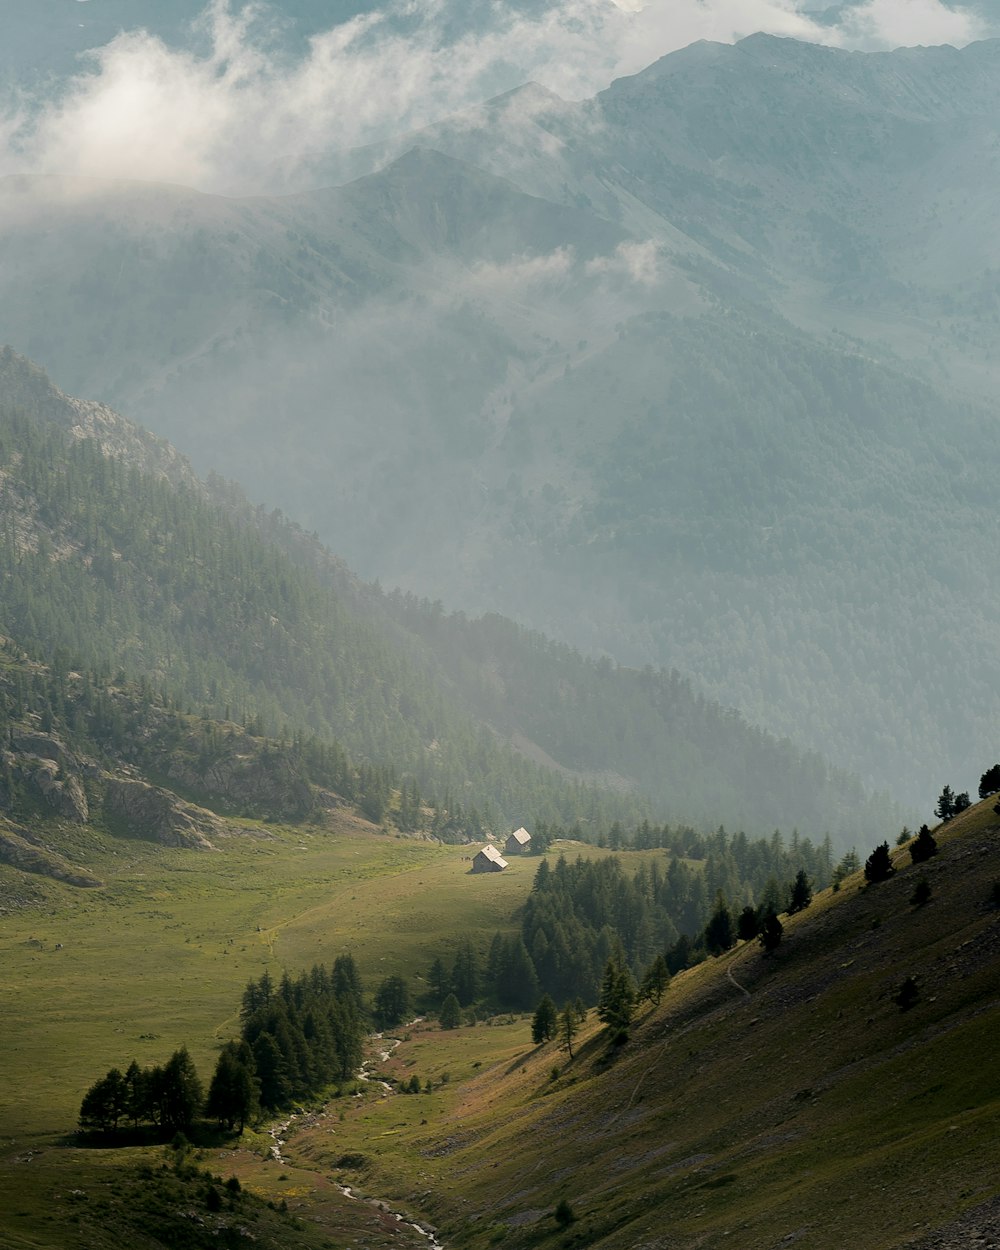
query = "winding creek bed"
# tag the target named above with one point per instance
(277, 1133)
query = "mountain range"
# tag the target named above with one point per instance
(120, 563)
(698, 373)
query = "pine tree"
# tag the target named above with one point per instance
(617, 998)
(569, 1026)
(450, 1016)
(771, 933)
(719, 932)
(923, 846)
(234, 1091)
(989, 782)
(748, 924)
(945, 808)
(655, 981)
(392, 1001)
(878, 865)
(801, 893)
(543, 1025)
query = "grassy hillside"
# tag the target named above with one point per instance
(773, 1099)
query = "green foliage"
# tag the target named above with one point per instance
(450, 1015)
(168, 1097)
(771, 933)
(747, 924)
(544, 1022)
(568, 1026)
(921, 893)
(392, 1001)
(563, 1214)
(234, 1092)
(989, 782)
(720, 932)
(801, 892)
(616, 1003)
(305, 1033)
(879, 865)
(924, 846)
(950, 804)
(655, 980)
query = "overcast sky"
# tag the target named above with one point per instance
(218, 120)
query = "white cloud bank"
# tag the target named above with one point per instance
(219, 121)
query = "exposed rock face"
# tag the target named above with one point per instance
(44, 764)
(158, 816)
(18, 850)
(263, 783)
(65, 795)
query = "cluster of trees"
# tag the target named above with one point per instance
(297, 1037)
(950, 804)
(167, 1096)
(585, 914)
(306, 1033)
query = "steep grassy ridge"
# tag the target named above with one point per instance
(767, 1099)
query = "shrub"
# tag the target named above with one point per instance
(921, 893)
(564, 1214)
(907, 994)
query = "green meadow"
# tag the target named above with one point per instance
(159, 956)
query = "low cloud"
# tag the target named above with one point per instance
(222, 119)
(639, 263)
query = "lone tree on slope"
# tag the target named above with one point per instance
(802, 893)
(878, 865)
(771, 933)
(989, 782)
(543, 1026)
(923, 846)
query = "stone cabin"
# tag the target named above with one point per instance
(519, 843)
(488, 859)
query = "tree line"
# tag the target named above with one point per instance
(298, 1037)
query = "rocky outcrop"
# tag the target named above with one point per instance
(65, 795)
(157, 815)
(51, 771)
(18, 850)
(256, 783)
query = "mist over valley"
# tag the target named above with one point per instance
(497, 542)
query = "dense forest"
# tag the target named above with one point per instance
(126, 564)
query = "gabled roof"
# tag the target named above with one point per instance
(493, 855)
(521, 835)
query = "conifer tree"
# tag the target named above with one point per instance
(924, 846)
(719, 932)
(655, 981)
(451, 1013)
(878, 865)
(617, 998)
(801, 892)
(543, 1025)
(569, 1026)
(771, 933)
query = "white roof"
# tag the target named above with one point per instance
(494, 855)
(521, 835)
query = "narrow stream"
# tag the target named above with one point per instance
(277, 1132)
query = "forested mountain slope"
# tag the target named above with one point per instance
(117, 558)
(697, 373)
